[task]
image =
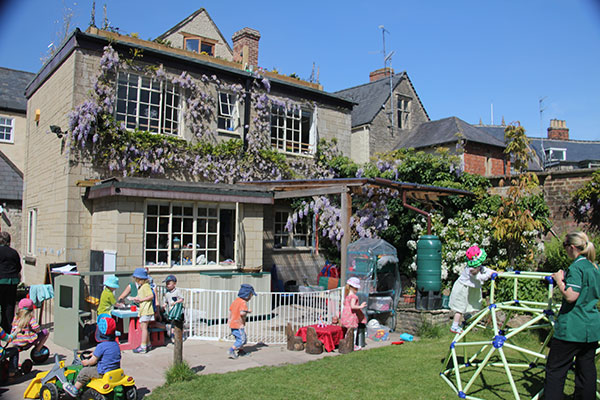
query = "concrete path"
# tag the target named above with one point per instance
(205, 357)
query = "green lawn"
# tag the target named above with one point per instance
(408, 371)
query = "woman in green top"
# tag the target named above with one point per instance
(577, 328)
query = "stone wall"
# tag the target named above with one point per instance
(381, 139)
(14, 212)
(410, 319)
(15, 151)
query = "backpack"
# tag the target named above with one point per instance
(329, 271)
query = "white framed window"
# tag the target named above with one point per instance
(301, 236)
(403, 112)
(293, 131)
(7, 129)
(148, 104)
(228, 115)
(31, 231)
(556, 154)
(189, 234)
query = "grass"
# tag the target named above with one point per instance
(409, 371)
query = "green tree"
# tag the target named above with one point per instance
(585, 203)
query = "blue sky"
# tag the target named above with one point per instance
(462, 56)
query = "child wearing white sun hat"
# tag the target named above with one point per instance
(352, 313)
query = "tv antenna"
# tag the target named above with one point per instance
(542, 109)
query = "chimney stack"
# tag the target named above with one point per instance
(380, 74)
(245, 46)
(558, 130)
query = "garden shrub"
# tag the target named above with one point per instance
(179, 372)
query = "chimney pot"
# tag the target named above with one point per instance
(558, 130)
(380, 74)
(246, 39)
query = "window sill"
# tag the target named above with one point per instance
(31, 260)
(191, 268)
(289, 153)
(228, 132)
(299, 249)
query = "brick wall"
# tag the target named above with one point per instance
(483, 159)
(248, 38)
(557, 187)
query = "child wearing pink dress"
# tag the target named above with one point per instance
(352, 313)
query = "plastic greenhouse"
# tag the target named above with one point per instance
(375, 263)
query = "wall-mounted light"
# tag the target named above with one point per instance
(57, 130)
(37, 115)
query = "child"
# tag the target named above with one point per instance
(237, 318)
(352, 312)
(25, 328)
(466, 292)
(107, 298)
(106, 357)
(145, 299)
(172, 296)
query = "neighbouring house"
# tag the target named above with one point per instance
(187, 85)
(559, 152)
(386, 109)
(482, 153)
(13, 107)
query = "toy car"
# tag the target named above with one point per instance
(48, 385)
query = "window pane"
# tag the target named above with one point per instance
(207, 48)
(192, 44)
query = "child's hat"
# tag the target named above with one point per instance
(26, 304)
(140, 273)
(112, 282)
(246, 290)
(475, 256)
(354, 282)
(170, 278)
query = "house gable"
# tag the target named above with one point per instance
(198, 24)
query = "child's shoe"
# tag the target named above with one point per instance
(141, 349)
(357, 348)
(232, 354)
(456, 329)
(71, 390)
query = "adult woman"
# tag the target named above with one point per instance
(577, 328)
(10, 275)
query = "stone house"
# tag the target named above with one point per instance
(386, 109)
(13, 107)
(482, 153)
(173, 223)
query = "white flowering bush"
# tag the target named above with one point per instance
(457, 234)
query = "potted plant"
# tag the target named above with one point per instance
(409, 295)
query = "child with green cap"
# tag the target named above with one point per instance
(466, 292)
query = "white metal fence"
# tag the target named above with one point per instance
(206, 312)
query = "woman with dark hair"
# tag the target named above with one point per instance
(577, 328)
(10, 276)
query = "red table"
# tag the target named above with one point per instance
(330, 335)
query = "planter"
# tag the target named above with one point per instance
(408, 298)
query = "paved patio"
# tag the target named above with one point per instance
(206, 357)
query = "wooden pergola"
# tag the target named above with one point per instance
(425, 194)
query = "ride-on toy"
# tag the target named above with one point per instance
(36, 357)
(48, 385)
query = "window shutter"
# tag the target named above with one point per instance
(313, 139)
(235, 113)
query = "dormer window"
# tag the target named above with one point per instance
(199, 44)
(555, 154)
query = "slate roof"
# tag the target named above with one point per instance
(11, 180)
(370, 97)
(12, 89)
(579, 152)
(443, 131)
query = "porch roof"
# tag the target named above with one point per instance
(179, 190)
